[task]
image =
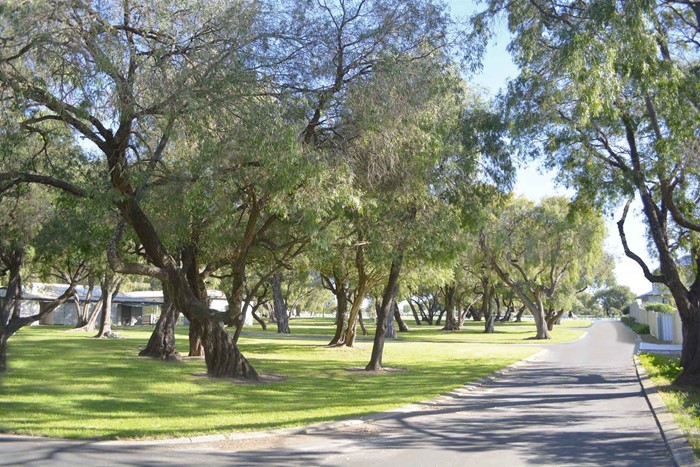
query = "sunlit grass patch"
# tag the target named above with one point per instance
(684, 403)
(69, 385)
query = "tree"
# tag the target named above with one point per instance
(609, 93)
(544, 247)
(616, 297)
(120, 78)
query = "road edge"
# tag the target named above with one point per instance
(674, 438)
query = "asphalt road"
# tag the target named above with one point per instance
(575, 404)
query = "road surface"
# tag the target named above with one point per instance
(575, 404)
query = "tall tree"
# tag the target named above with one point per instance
(543, 247)
(609, 93)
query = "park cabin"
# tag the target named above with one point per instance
(128, 308)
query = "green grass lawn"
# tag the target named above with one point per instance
(472, 331)
(69, 385)
(684, 404)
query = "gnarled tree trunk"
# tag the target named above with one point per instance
(161, 345)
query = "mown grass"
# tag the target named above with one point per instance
(472, 331)
(684, 403)
(68, 385)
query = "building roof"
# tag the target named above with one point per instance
(41, 292)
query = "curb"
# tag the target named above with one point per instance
(308, 429)
(673, 437)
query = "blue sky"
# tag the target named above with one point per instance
(533, 182)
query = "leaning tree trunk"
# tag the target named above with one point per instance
(161, 345)
(403, 327)
(280, 306)
(451, 323)
(519, 316)
(110, 289)
(384, 313)
(341, 316)
(256, 317)
(415, 313)
(361, 322)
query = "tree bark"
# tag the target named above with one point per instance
(361, 322)
(451, 323)
(257, 318)
(279, 304)
(553, 318)
(161, 345)
(110, 289)
(341, 314)
(486, 307)
(403, 327)
(384, 313)
(190, 260)
(360, 293)
(82, 311)
(415, 313)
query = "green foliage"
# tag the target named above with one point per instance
(660, 308)
(635, 326)
(618, 297)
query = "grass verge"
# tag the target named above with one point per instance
(66, 384)
(684, 403)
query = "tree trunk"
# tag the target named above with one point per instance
(486, 307)
(384, 313)
(451, 323)
(690, 353)
(195, 342)
(110, 289)
(271, 313)
(519, 316)
(280, 306)
(361, 321)
(554, 318)
(541, 323)
(440, 316)
(3, 351)
(257, 318)
(161, 345)
(195, 281)
(82, 310)
(415, 313)
(403, 327)
(360, 292)
(341, 315)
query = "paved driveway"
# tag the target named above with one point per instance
(575, 404)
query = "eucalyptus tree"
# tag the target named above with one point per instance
(610, 92)
(537, 250)
(119, 76)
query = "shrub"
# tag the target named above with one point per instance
(660, 308)
(636, 327)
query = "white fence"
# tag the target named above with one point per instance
(663, 326)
